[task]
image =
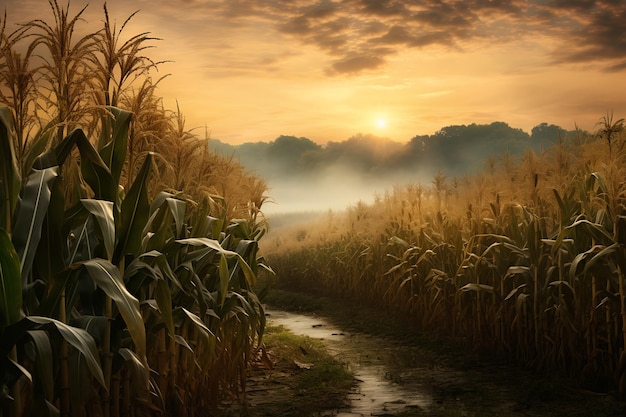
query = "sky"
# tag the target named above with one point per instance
(327, 70)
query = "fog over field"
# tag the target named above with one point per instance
(306, 176)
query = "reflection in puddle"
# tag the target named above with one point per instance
(384, 373)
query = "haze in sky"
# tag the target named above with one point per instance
(326, 70)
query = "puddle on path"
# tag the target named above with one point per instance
(387, 375)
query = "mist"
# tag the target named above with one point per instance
(304, 176)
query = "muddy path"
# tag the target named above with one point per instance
(387, 376)
(395, 378)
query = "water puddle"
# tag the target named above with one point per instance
(387, 375)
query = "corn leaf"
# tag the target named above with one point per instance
(163, 297)
(114, 152)
(30, 216)
(95, 172)
(137, 369)
(13, 370)
(594, 230)
(95, 326)
(103, 213)
(208, 243)
(224, 278)
(472, 286)
(50, 256)
(177, 207)
(44, 358)
(601, 255)
(181, 313)
(10, 282)
(78, 370)
(107, 277)
(135, 214)
(38, 146)
(9, 173)
(80, 340)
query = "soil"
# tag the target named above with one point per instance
(401, 376)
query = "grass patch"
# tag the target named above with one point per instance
(305, 380)
(316, 371)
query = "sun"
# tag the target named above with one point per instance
(381, 123)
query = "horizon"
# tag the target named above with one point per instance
(404, 142)
(251, 71)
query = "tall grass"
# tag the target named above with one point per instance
(525, 258)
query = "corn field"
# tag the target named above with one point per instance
(128, 254)
(526, 258)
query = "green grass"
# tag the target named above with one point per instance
(325, 376)
(305, 380)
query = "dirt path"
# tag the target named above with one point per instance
(380, 388)
(399, 379)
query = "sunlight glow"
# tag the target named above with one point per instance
(381, 123)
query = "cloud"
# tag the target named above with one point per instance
(383, 7)
(596, 35)
(361, 35)
(357, 64)
(584, 30)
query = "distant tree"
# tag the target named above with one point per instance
(286, 147)
(544, 135)
(367, 153)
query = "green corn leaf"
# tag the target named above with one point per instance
(224, 278)
(84, 242)
(158, 228)
(96, 173)
(114, 152)
(601, 255)
(209, 243)
(50, 257)
(13, 370)
(94, 170)
(103, 213)
(30, 216)
(138, 371)
(80, 340)
(107, 277)
(163, 297)
(50, 304)
(207, 336)
(43, 360)
(158, 201)
(135, 214)
(10, 282)
(9, 173)
(248, 272)
(95, 326)
(38, 146)
(594, 230)
(177, 207)
(79, 371)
